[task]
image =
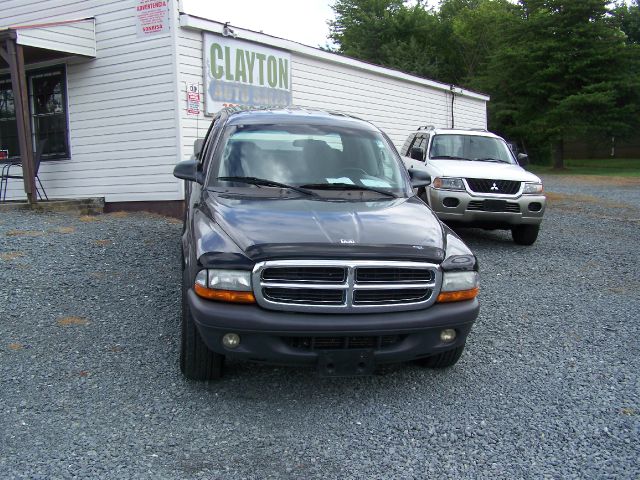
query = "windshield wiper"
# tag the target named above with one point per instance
(448, 157)
(489, 159)
(348, 186)
(263, 182)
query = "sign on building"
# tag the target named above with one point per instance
(237, 72)
(152, 17)
(193, 99)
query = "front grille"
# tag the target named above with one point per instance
(335, 286)
(372, 297)
(305, 295)
(342, 343)
(485, 185)
(305, 274)
(493, 206)
(388, 274)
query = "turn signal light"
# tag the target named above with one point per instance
(224, 295)
(458, 296)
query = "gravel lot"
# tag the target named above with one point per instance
(547, 388)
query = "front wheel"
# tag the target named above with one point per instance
(525, 234)
(197, 362)
(442, 360)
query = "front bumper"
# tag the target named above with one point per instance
(265, 334)
(531, 208)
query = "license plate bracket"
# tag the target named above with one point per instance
(494, 205)
(346, 363)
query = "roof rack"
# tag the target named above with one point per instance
(427, 127)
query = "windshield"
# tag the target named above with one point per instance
(469, 147)
(313, 156)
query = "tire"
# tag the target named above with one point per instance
(525, 234)
(442, 360)
(197, 362)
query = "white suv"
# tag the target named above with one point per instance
(477, 181)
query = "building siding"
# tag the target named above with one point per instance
(190, 70)
(127, 113)
(121, 106)
(395, 105)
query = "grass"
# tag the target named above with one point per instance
(610, 167)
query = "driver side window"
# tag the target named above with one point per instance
(207, 148)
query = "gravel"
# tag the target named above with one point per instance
(547, 388)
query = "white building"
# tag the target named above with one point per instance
(107, 91)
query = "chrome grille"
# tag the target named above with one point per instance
(335, 286)
(498, 187)
(305, 274)
(305, 295)
(377, 296)
(392, 274)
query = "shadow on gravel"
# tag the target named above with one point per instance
(478, 236)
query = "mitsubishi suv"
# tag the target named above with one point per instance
(477, 181)
(304, 244)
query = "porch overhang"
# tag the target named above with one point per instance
(25, 44)
(55, 39)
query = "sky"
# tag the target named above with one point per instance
(303, 21)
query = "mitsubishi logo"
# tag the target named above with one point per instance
(494, 187)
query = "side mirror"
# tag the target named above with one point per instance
(197, 147)
(523, 159)
(188, 170)
(419, 178)
(417, 153)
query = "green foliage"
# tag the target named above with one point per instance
(555, 69)
(627, 18)
(563, 72)
(475, 29)
(388, 33)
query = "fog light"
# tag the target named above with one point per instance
(448, 335)
(231, 340)
(451, 202)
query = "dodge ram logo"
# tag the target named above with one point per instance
(494, 187)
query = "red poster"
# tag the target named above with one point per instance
(152, 17)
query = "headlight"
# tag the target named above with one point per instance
(224, 285)
(532, 188)
(458, 286)
(448, 183)
(230, 280)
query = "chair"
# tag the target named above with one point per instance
(6, 174)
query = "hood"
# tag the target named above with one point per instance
(285, 226)
(490, 170)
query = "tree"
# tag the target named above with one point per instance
(627, 18)
(387, 33)
(473, 31)
(555, 69)
(564, 72)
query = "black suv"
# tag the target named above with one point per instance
(304, 244)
